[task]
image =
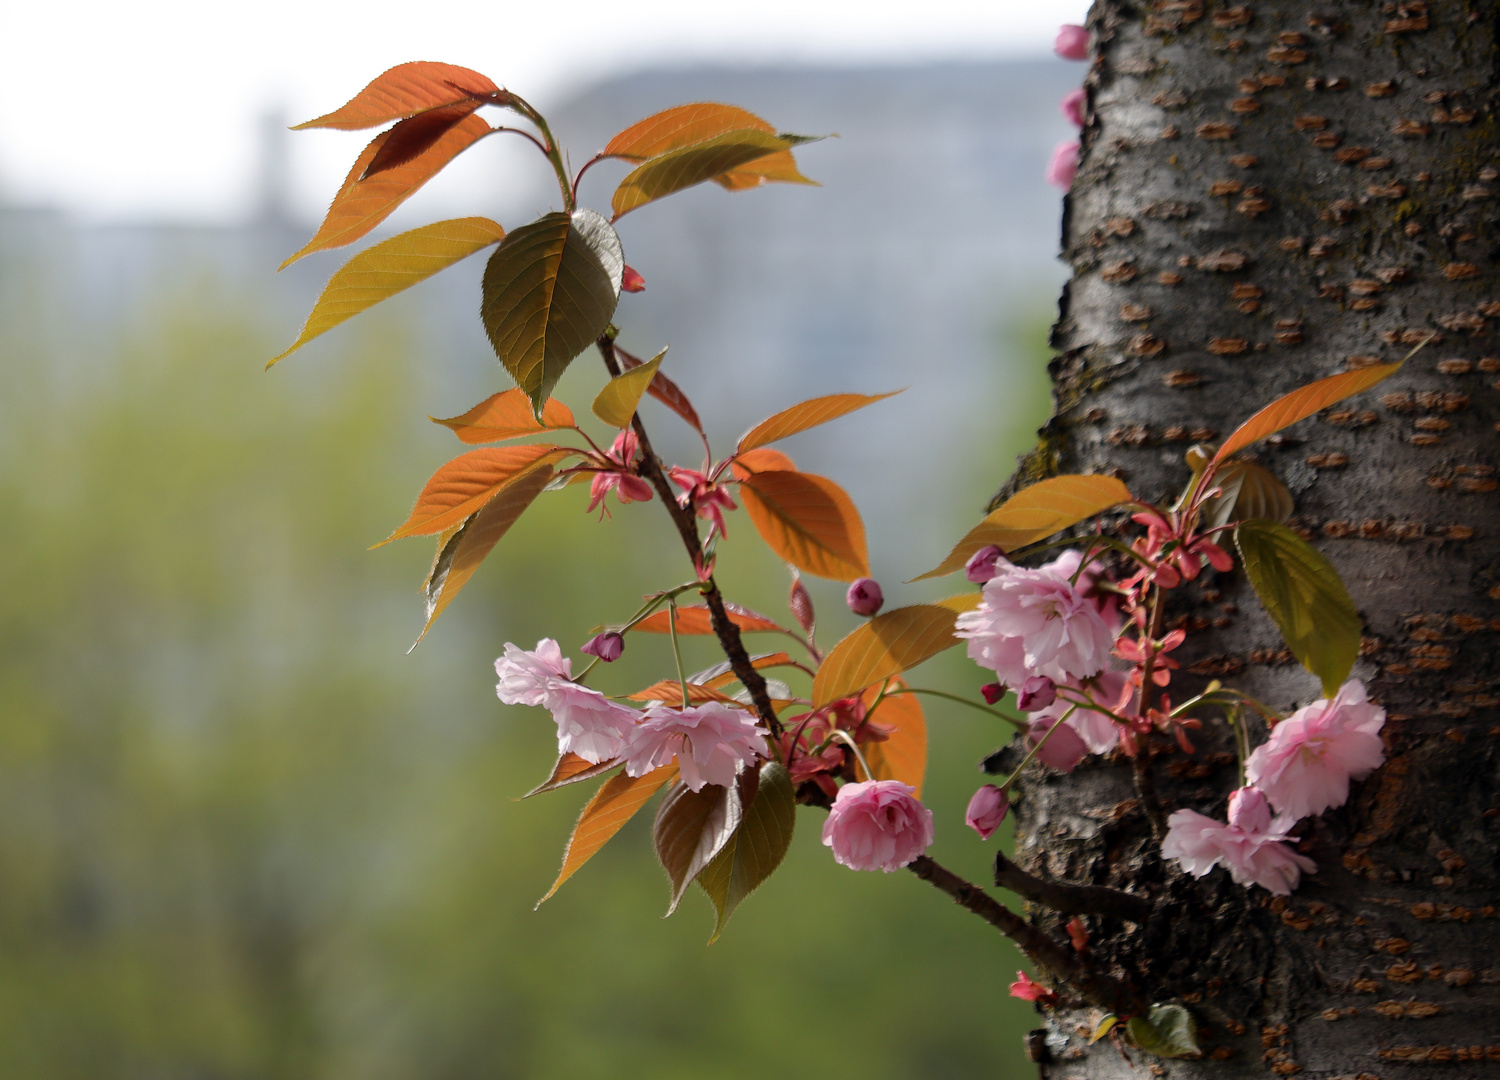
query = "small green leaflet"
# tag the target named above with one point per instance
(758, 845)
(1302, 592)
(621, 396)
(1170, 1032)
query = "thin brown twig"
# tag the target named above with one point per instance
(687, 528)
(1070, 899)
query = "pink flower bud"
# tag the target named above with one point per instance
(981, 565)
(864, 596)
(1036, 693)
(1072, 42)
(1063, 166)
(992, 692)
(1072, 105)
(606, 646)
(631, 280)
(987, 809)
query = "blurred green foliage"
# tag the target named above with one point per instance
(242, 835)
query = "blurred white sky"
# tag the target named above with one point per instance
(151, 108)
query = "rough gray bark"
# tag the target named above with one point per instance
(1271, 193)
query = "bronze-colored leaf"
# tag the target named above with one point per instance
(1247, 491)
(571, 769)
(691, 828)
(405, 90)
(757, 846)
(806, 415)
(612, 806)
(670, 172)
(695, 620)
(884, 646)
(902, 755)
(507, 415)
(682, 126)
(777, 168)
(468, 482)
(1302, 403)
(416, 135)
(809, 521)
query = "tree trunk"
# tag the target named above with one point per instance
(1270, 194)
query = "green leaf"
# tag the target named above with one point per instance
(621, 396)
(381, 271)
(1247, 491)
(691, 828)
(1105, 1027)
(549, 292)
(1170, 1032)
(688, 165)
(758, 845)
(1302, 592)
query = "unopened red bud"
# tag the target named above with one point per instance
(987, 809)
(992, 692)
(631, 280)
(1036, 693)
(606, 646)
(802, 606)
(1073, 104)
(864, 596)
(981, 565)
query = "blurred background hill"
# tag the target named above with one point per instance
(242, 835)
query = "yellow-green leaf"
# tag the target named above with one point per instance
(1302, 403)
(685, 166)
(612, 806)
(809, 521)
(381, 271)
(884, 646)
(805, 415)
(757, 846)
(549, 292)
(1035, 513)
(621, 396)
(778, 168)
(1303, 593)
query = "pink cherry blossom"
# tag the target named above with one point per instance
(1251, 847)
(711, 742)
(1036, 622)
(1072, 42)
(877, 825)
(1027, 990)
(588, 723)
(1100, 733)
(1035, 694)
(708, 499)
(1064, 748)
(1072, 105)
(621, 479)
(986, 810)
(527, 676)
(1063, 165)
(1306, 765)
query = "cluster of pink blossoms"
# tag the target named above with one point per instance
(1049, 634)
(1072, 44)
(711, 742)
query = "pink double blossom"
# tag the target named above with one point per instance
(711, 742)
(877, 825)
(1064, 748)
(1037, 622)
(1100, 733)
(1063, 165)
(1306, 765)
(621, 478)
(1251, 846)
(1072, 42)
(588, 723)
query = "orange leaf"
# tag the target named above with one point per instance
(681, 126)
(670, 691)
(571, 769)
(403, 91)
(415, 135)
(461, 550)
(466, 483)
(778, 168)
(808, 414)
(763, 459)
(1302, 403)
(1035, 513)
(612, 806)
(506, 415)
(903, 755)
(884, 646)
(362, 204)
(769, 660)
(695, 620)
(808, 521)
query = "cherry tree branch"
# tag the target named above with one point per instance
(724, 628)
(1070, 899)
